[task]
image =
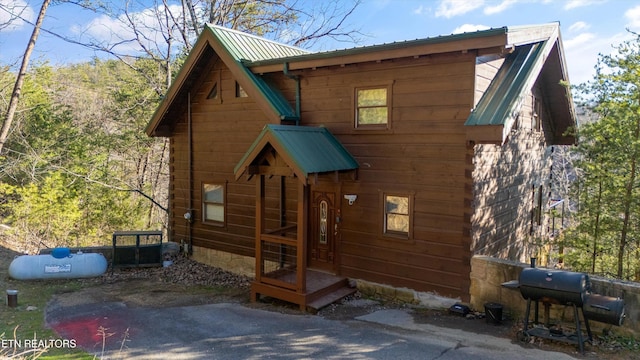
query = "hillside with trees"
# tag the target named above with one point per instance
(604, 238)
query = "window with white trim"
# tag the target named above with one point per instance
(213, 203)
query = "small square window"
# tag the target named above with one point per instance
(397, 217)
(213, 203)
(372, 107)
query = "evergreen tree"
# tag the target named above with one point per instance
(609, 150)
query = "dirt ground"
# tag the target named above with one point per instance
(186, 282)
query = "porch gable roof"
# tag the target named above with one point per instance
(306, 150)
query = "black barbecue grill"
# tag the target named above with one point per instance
(556, 287)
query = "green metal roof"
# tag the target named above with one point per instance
(247, 47)
(306, 149)
(503, 96)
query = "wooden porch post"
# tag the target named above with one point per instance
(259, 224)
(301, 261)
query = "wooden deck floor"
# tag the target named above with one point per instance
(322, 290)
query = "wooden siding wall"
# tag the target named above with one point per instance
(222, 131)
(423, 155)
(506, 179)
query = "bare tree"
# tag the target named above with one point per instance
(15, 95)
(17, 12)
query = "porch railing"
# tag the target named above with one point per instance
(279, 259)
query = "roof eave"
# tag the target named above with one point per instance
(495, 39)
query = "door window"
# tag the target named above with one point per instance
(323, 222)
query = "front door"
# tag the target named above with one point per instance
(324, 220)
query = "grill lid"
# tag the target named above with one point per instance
(555, 286)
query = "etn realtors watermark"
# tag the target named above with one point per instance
(37, 343)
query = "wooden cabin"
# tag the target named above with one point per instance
(391, 164)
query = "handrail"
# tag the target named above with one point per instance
(281, 229)
(279, 240)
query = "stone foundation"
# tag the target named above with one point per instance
(404, 295)
(237, 264)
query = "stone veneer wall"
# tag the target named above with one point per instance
(488, 274)
(511, 187)
(507, 181)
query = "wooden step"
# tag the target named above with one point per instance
(330, 298)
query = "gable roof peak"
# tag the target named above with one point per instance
(245, 47)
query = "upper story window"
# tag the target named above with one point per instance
(372, 107)
(213, 203)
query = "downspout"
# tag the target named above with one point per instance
(189, 214)
(283, 199)
(297, 80)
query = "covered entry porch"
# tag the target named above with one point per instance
(298, 158)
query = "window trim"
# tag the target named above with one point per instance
(536, 113)
(217, 99)
(224, 204)
(367, 127)
(410, 215)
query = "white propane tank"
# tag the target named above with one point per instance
(80, 265)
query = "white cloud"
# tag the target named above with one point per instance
(115, 32)
(421, 10)
(451, 8)
(582, 53)
(578, 41)
(633, 16)
(504, 5)
(579, 26)
(12, 12)
(469, 28)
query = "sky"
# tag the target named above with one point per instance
(588, 27)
